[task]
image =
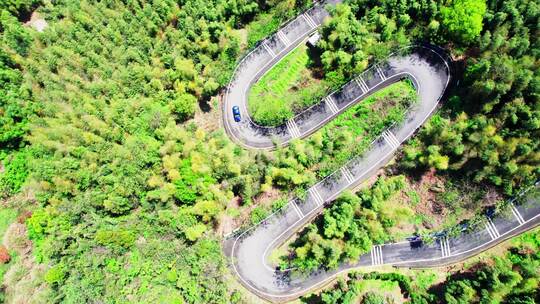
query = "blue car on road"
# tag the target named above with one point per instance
(236, 113)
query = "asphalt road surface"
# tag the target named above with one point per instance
(429, 70)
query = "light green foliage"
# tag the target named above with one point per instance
(267, 23)
(15, 172)
(118, 182)
(414, 197)
(285, 89)
(127, 193)
(193, 233)
(155, 271)
(56, 274)
(190, 185)
(262, 27)
(184, 106)
(258, 214)
(351, 133)
(463, 18)
(343, 138)
(485, 132)
(116, 239)
(373, 298)
(7, 216)
(278, 204)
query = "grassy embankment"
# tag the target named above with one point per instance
(287, 88)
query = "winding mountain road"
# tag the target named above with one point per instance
(429, 70)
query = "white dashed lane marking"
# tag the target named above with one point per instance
(315, 194)
(298, 211)
(309, 20)
(491, 229)
(363, 83)
(269, 50)
(293, 128)
(391, 139)
(359, 84)
(517, 214)
(283, 38)
(331, 104)
(381, 73)
(376, 256)
(445, 247)
(345, 172)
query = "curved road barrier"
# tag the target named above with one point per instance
(429, 71)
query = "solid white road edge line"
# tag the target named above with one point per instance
(397, 263)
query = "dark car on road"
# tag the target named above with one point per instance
(236, 113)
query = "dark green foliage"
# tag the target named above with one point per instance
(14, 173)
(493, 114)
(14, 99)
(14, 35)
(125, 195)
(346, 230)
(19, 7)
(349, 43)
(16, 105)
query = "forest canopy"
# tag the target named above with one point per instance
(115, 190)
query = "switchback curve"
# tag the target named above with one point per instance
(429, 71)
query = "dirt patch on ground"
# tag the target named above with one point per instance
(36, 22)
(427, 188)
(268, 197)
(208, 114)
(466, 202)
(237, 215)
(23, 281)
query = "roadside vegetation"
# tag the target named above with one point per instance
(111, 192)
(287, 88)
(507, 274)
(391, 209)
